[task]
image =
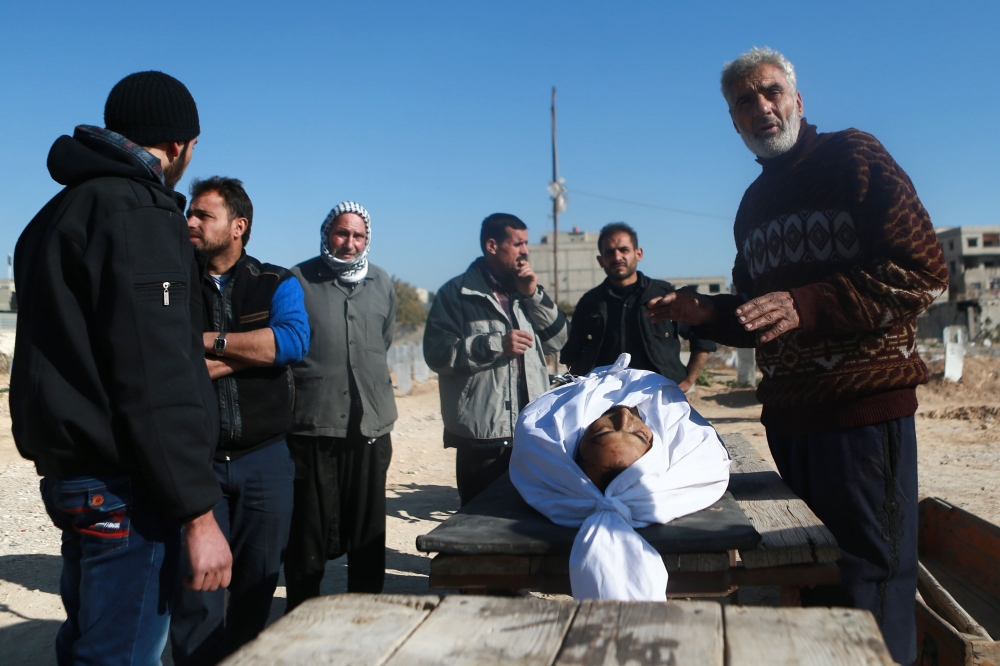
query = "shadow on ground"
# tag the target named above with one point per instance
(422, 502)
(19, 643)
(36, 571)
(734, 399)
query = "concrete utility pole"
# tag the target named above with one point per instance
(555, 204)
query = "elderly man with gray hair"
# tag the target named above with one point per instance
(836, 257)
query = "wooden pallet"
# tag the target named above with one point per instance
(958, 602)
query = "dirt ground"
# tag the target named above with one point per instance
(959, 458)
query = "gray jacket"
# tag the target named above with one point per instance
(462, 343)
(351, 328)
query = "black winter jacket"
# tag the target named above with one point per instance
(255, 404)
(110, 377)
(662, 340)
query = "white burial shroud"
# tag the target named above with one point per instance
(686, 470)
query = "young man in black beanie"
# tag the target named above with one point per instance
(110, 396)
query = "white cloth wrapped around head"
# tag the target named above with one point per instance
(685, 470)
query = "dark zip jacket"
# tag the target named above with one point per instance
(255, 404)
(661, 341)
(110, 376)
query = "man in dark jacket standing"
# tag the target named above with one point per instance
(836, 257)
(344, 411)
(110, 396)
(612, 319)
(255, 326)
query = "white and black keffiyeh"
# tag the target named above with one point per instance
(356, 269)
(686, 470)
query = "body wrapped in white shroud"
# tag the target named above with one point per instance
(685, 470)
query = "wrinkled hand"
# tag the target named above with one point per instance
(685, 305)
(517, 342)
(526, 281)
(772, 315)
(208, 550)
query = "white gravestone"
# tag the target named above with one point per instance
(955, 338)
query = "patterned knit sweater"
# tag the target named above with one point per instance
(838, 224)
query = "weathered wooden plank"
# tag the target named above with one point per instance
(790, 532)
(489, 630)
(611, 633)
(499, 522)
(802, 636)
(963, 542)
(938, 598)
(343, 629)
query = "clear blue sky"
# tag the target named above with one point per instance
(435, 114)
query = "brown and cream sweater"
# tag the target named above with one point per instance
(837, 223)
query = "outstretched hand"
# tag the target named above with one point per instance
(772, 314)
(685, 305)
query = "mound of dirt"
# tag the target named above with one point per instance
(980, 381)
(978, 413)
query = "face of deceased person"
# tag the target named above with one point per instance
(347, 236)
(612, 443)
(766, 111)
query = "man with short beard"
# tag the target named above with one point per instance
(836, 257)
(610, 319)
(255, 326)
(110, 396)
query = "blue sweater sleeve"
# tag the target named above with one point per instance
(290, 323)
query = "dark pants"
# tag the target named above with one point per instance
(339, 508)
(862, 483)
(119, 569)
(254, 514)
(476, 467)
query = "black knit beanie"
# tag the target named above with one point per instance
(151, 107)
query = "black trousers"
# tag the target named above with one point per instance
(862, 483)
(254, 513)
(476, 467)
(339, 508)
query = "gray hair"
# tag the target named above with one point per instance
(749, 61)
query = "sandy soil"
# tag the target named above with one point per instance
(959, 457)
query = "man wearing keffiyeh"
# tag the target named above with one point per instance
(344, 411)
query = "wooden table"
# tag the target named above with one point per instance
(361, 629)
(760, 533)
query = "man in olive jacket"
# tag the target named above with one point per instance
(487, 336)
(344, 411)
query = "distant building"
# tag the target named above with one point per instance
(8, 301)
(579, 271)
(973, 258)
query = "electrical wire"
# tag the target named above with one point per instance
(648, 205)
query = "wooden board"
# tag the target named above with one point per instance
(612, 633)
(500, 522)
(802, 636)
(489, 630)
(790, 532)
(360, 629)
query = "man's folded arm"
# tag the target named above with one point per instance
(549, 322)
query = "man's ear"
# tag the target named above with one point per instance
(240, 225)
(798, 103)
(600, 260)
(491, 246)
(638, 254)
(173, 149)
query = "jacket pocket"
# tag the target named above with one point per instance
(374, 341)
(309, 402)
(166, 291)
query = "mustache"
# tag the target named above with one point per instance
(768, 120)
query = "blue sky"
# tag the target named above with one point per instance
(435, 114)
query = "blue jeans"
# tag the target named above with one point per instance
(255, 514)
(862, 483)
(119, 568)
